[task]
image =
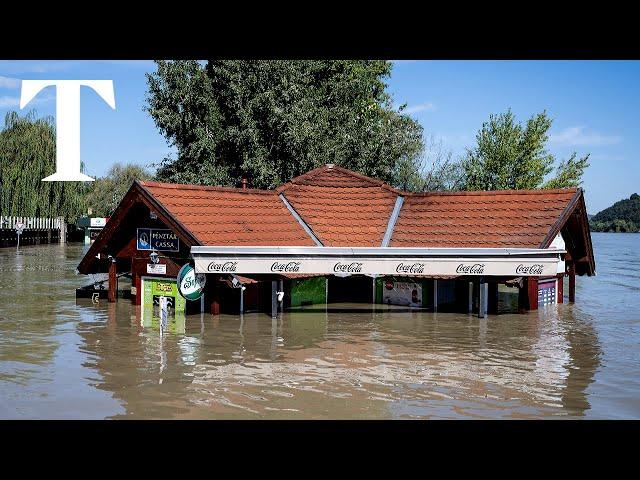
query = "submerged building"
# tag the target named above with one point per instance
(332, 235)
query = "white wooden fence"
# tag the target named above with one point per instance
(31, 223)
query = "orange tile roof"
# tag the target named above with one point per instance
(344, 208)
(511, 218)
(230, 216)
(341, 207)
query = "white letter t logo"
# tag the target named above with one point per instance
(67, 121)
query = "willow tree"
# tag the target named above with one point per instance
(27, 155)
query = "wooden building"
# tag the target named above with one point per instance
(333, 235)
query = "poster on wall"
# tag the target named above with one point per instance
(402, 293)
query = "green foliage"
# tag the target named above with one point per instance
(106, 192)
(622, 216)
(27, 155)
(569, 172)
(509, 155)
(433, 170)
(273, 120)
(618, 226)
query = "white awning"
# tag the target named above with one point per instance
(377, 261)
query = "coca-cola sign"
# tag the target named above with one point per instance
(285, 266)
(535, 269)
(470, 268)
(410, 267)
(353, 267)
(222, 266)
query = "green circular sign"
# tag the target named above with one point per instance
(190, 283)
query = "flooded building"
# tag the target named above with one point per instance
(332, 235)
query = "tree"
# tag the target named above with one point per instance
(106, 192)
(273, 120)
(509, 155)
(27, 155)
(433, 170)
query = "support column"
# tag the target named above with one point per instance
(274, 299)
(373, 290)
(281, 289)
(137, 283)
(532, 292)
(560, 287)
(214, 299)
(572, 282)
(242, 299)
(435, 294)
(470, 306)
(484, 298)
(112, 294)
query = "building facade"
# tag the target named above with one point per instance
(333, 236)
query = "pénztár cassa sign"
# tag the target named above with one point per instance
(355, 266)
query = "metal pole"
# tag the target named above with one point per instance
(470, 309)
(281, 289)
(274, 299)
(435, 294)
(484, 297)
(241, 299)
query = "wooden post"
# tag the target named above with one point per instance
(532, 292)
(113, 281)
(560, 288)
(572, 282)
(215, 295)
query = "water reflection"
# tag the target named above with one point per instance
(62, 358)
(318, 364)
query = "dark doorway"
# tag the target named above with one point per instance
(358, 289)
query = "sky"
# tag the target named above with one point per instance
(595, 106)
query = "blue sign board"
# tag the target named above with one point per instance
(160, 239)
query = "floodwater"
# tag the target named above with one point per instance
(62, 358)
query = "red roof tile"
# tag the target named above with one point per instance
(341, 207)
(513, 218)
(230, 216)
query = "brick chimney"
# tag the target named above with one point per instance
(244, 183)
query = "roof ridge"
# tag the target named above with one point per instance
(184, 186)
(538, 191)
(329, 166)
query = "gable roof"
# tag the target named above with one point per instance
(341, 207)
(230, 216)
(514, 218)
(346, 209)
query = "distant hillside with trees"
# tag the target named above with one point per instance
(622, 216)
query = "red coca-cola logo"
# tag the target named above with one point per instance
(471, 269)
(410, 267)
(285, 267)
(535, 269)
(353, 267)
(222, 266)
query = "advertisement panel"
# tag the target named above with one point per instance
(355, 266)
(402, 293)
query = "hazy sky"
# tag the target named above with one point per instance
(595, 106)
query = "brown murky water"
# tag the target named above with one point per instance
(65, 359)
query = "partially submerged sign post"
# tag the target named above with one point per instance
(19, 228)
